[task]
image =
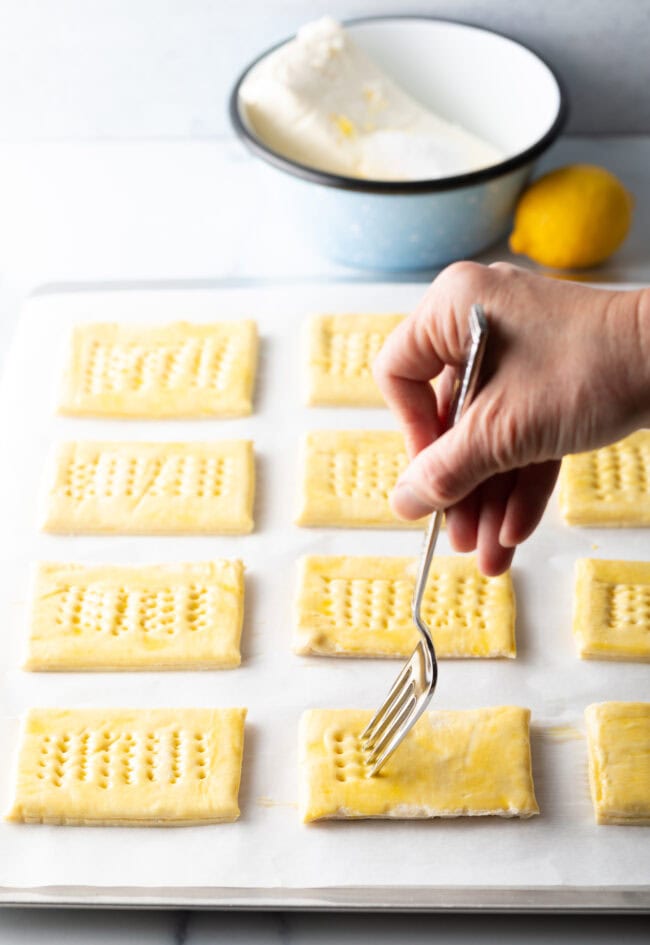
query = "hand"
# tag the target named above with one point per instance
(567, 369)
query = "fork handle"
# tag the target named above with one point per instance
(478, 328)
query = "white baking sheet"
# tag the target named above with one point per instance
(269, 849)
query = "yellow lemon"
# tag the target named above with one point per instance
(572, 218)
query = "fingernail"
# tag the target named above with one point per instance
(407, 503)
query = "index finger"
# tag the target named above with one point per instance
(412, 356)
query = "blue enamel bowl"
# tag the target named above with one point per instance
(479, 79)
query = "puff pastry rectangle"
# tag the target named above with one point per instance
(341, 351)
(609, 486)
(176, 370)
(153, 488)
(131, 767)
(611, 618)
(473, 762)
(348, 476)
(184, 616)
(618, 735)
(361, 606)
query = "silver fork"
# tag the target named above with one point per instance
(411, 692)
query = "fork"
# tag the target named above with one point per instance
(411, 692)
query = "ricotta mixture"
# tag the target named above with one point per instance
(320, 101)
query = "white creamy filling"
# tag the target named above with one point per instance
(320, 101)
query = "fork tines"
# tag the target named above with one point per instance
(385, 730)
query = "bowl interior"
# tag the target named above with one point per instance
(484, 82)
(477, 79)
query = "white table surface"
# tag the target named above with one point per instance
(155, 212)
(197, 212)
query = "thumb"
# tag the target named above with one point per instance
(446, 471)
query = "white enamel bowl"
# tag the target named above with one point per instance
(481, 80)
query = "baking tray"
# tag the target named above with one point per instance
(268, 859)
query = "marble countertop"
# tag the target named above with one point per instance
(200, 212)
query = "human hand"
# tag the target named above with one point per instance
(567, 369)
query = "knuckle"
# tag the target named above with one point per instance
(462, 272)
(505, 268)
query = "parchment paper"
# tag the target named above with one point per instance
(268, 846)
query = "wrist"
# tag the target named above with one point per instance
(629, 324)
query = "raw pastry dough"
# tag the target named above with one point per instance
(362, 607)
(153, 488)
(611, 619)
(341, 351)
(471, 762)
(183, 616)
(619, 761)
(132, 767)
(609, 486)
(177, 370)
(347, 477)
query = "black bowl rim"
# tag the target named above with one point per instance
(340, 181)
